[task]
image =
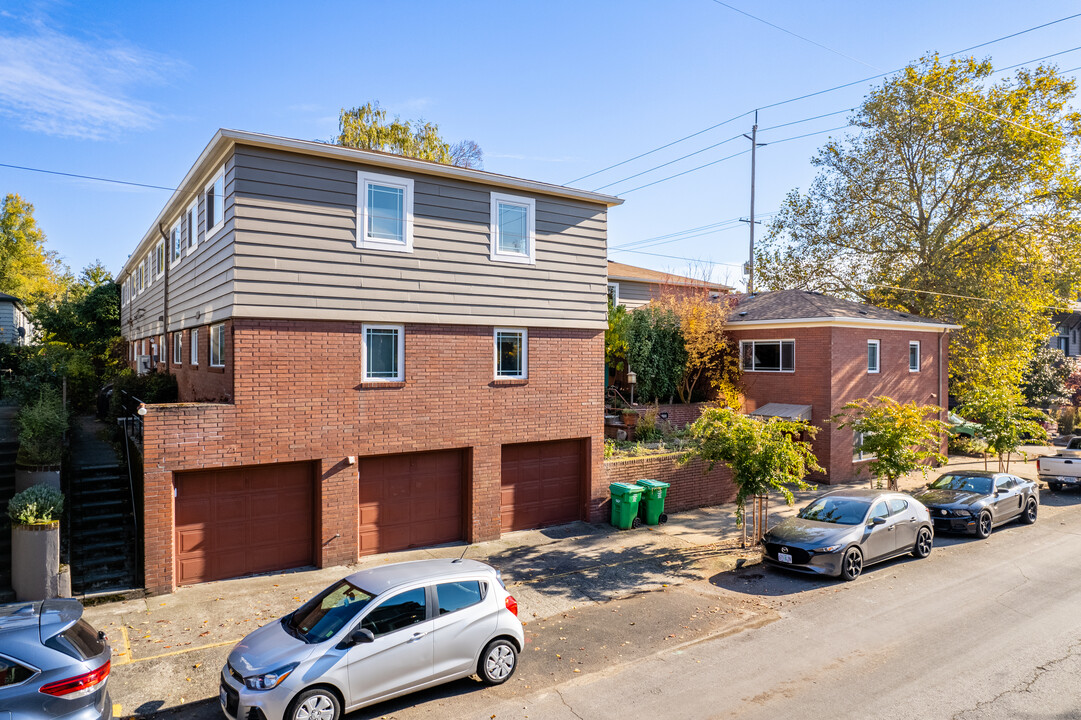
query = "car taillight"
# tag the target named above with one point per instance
(512, 605)
(78, 686)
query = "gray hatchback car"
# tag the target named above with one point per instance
(53, 664)
(375, 635)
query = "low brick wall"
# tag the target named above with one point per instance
(680, 415)
(692, 486)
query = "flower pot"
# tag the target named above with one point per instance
(630, 419)
(29, 475)
(35, 561)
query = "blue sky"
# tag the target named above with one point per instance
(551, 91)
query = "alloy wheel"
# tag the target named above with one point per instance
(500, 662)
(317, 707)
(923, 543)
(985, 524)
(853, 564)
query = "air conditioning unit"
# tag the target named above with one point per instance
(142, 364)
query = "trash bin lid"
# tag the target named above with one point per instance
(646, 482)
(622, 489)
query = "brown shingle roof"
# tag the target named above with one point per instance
(620, 271)
(806, 305)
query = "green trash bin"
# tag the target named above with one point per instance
(651, 507)
(625, 497)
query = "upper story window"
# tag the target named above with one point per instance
(159, 258)
(217, 345)
(178, 357)
(195, 346)
(214, 194)
(148, 276)
(383, 356)
(174, 242)
(191, 219)
(514, 228)
(914, 356)
(873, 360)
(384, 212)
(511, 351)
(613, 293)
(768, 355)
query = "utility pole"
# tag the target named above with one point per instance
(753, 137)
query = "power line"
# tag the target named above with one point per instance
(658, 167)
(679, 232)
(87, 177)
(1045, 57)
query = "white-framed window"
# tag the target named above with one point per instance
(138, 274)
(768, 355)
(175, 238)
(613, 293)
(511, 353)
(194, 346)
(214, 196)
(217, 345)
(148, 276)
(384, 212)
(873, 359)
(159, 258)
(514, 229)
(178, 343)
(858, 454)
(383, 353)
(191, 219)
(914, 356)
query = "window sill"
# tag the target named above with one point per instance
(385, 246)
(377, 384)
(216, 368)
(510, 258)
(509, 382)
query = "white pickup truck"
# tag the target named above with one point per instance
(1064, 469)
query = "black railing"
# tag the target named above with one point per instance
(132, 423)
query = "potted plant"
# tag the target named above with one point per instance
(35, 542)
(41, 427)
(630, 417)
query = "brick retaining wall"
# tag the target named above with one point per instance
(692, 485)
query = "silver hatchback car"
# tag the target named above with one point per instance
(375, 635)
(53, 664)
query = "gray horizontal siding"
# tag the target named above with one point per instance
(296, 255)
(633, 294)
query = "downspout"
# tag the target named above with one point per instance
(167, 353)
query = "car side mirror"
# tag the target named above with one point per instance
(878, 521)
(357, 637)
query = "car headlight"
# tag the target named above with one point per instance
(828, 549)
(270, 680)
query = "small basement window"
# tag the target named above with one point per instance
(511, 349)
(383, 356)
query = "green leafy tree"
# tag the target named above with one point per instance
(1045, 380)
(955, 197)
(763, 455)
(655, 352)
(366, 127)
(902, 437)
(27, 270)
(1006, 421)
(710, 355)
(615, 337)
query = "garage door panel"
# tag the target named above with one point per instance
(541, 484)
(410, 500)
(240, 521)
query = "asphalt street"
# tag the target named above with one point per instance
(981, 629)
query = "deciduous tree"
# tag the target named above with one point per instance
(655, 352)
(1045, 378)
(710, 355)
(1005, 419)
(366, 127)
(27, 270)
(954, 196)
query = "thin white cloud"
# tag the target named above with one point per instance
(59, 85)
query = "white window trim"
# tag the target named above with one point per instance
(148, 276)
(211, 231)
(878, 357)
(525, 353)
(615, 295)
(162, 256)
(194, 334)
(365, 178)
(193, 226)
(211, 345)
(176, 240)
(763, 342)
(400, 375)
(919, 356)
(530, 257)
(178, 348)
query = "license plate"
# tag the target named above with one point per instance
(784, 558)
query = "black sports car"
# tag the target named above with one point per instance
(975, 501)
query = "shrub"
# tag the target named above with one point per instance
(41, 425)
(152, 387)
(37, 505)
(648, 430)
(1067, 420)
(609, 448)
(961, 445)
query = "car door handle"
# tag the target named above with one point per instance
(912, 519)
(418, 635)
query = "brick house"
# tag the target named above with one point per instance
(804, 355)
(373, 353)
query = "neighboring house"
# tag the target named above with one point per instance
(16, 327)
(804, 355)
(373, 353)
(633, 287)
(1067, 337)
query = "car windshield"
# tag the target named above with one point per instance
(839, 510)
(324, 615)
(966, 483)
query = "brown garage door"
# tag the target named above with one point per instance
(541, 484)
(411, 500)
(239, 521)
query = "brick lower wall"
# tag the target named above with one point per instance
(680, 415)
(692, 485)
(299, 396)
